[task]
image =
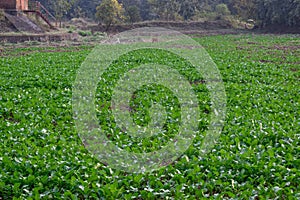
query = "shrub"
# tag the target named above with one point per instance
(84, 33)
(222, 9)
(2, 16)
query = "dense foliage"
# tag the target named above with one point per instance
(266, 12)
(279, 12)
(109, 12)
(256, 157)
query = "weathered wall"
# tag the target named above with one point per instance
(22, 4)
(14, 4)
(8, 4)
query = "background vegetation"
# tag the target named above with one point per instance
(265, 12)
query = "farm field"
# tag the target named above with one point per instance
(256, 157)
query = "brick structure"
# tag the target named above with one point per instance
(14, 4)
(15, 10)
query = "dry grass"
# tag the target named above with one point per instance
(2, 16)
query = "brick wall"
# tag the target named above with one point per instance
(22, 4)
(8, 4)
(14, 4)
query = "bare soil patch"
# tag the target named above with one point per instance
(38, 37)
(6, 26)
(285, 48)
(200, 25)
(294, 69)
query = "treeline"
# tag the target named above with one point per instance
(264, 12)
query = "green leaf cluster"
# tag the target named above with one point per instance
(256, 156)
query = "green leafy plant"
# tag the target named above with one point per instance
(84, 33)
(256, 156)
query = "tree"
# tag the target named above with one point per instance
(145, 10)
(61, 8)
(78, 12)
(133, 14)
(279, 13)
(222, 9)
(110, 12)
(88, 7)
(188, 9)
(165, 9)
(128, 3)
(246, 9)
(294, 14)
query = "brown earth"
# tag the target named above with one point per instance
(6, 26)
(198, 29)
(280, 29)
(205, 25)
(10, 38)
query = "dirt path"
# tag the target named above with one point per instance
(18, 38)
